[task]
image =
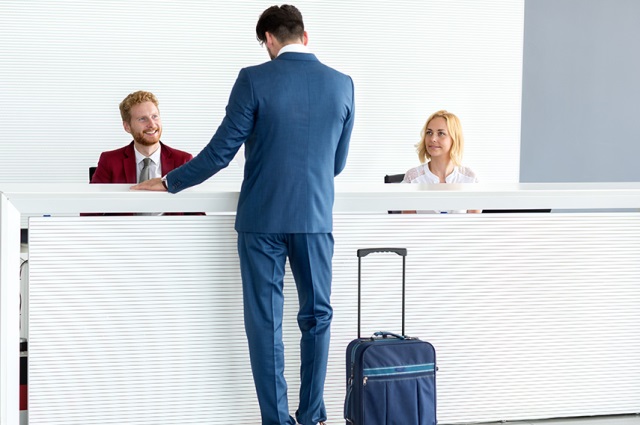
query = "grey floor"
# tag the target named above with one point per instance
(600, 420)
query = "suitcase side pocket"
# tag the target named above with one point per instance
(402, 395)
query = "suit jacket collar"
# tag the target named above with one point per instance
(296, 56)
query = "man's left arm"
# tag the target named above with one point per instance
(235, 128)
(345, 137)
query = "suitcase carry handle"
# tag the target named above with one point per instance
(385, 334)
(363, 253)
(367, 251)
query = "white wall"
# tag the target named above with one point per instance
(67, 64)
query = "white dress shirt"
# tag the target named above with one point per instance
(295, 47)
(155, 168)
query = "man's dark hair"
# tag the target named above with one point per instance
(283, 22)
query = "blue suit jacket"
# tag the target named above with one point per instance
(295, 116)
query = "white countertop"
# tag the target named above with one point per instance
(45, 198)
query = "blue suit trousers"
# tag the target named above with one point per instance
(262, 263)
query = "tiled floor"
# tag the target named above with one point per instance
(600, 420)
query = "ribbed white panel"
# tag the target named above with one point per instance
(66, 65)
(137, 321)
(532, 316)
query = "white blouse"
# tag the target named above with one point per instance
(422, 174)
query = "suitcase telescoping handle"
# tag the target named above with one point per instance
(363, 253)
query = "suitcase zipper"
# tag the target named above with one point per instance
(347, 400)
(395, 372)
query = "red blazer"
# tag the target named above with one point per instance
(119, 166)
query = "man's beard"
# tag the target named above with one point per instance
(142, 139)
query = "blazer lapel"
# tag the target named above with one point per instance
(166, 159)
(129, 164)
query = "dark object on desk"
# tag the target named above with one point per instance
(393, 178)
(515, 211)
(390, 375)
(92, 171)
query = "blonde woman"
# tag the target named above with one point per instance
(440, 152)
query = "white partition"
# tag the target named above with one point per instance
(136, 320)
(9, 312)
(532, 315)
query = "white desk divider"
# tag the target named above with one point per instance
(532, 315)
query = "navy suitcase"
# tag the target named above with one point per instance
(391, 378)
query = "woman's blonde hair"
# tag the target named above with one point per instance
(455, 131)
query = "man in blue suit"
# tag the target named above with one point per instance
(295, 117)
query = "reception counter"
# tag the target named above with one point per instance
(138, 319)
